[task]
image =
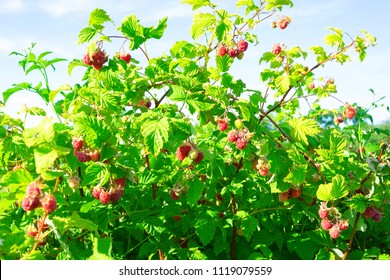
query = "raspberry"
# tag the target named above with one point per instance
(83, 157)
(193, 154)
(334, 232)
(30, 203)
(377, 217)
(116, 194)
(221, 50)
(104, 197)
(99, 57)
(201, 201)
(369, 212)
(177, 218)
(173, 195)
(242, 45)
(97, 66)
(295, 192)
(282, 23)
(77, 143)
(276, 49)
(145, 103)
(33, 190)
(182, 152)
(96, 192)
(263, 171)
(240, 55)
(49, 203)
(41, 224)
(284, 196)
(219, 197)
(233, 52)
(350, 113)
(74, 182)
(120, 181)
(343, 224)
(232, 136)
(326, 224)
(126, 57)
(312, 86)
(87, 59)
(95, 155)
(222, 125)
(241, 143)
(323, 213)
(199, 157)
(32, 231)
(221, 215)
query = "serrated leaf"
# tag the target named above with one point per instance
(86, 34)
(158, 32)
(201, 23)
(358, 202)
(194, 192)
(177, 93)
(223, 62)
(297, 175)
(205, 229)
(332, 191)
(133, 30)
(78, 222)
(196, 4)
(301, 128)
(46, 156)
(41, 134)
(155, 133)
(223, 28)
(96, 174)
(199, 103)
(16, 179)
(283, 83)
(249, 225)
(98, 17)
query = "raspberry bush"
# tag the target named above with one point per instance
(172, 157)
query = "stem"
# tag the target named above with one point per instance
(234, 211)
(352, 235)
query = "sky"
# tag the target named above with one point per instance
(54, 26)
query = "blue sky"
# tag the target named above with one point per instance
(54, 26)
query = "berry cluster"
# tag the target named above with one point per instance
(261, 165)
(35, 198)
(330, 220)
(233, 51)
(84, 154)
(372, 213)
(33, 231)
(97, 58)
(240, 137)
(113, 194)
(290, 193)
(189, 150)
(282, 22)
(178, 190)
(124, 56)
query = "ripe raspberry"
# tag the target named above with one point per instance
(296, 192)
(282, 23)
(87, 59)
(276, 49)
(232, 136)
(199, 158)
(242, 45)
(96, 192)
(126, 57)
(97, 66)
(284, 196)
(334, 232)
(182, 152)
(120, 181)
(233, 52)
(312, 86)
(241, 143)
(377, 217)
(41, 224)
(173, 195)
(326, 224)
(221, 215)
(116, 194)
(263, 171)
(77, 143)
(104, 197)
(177, 218)
(33, 190)
(30, 203)
(343, 224)
(350, 113)
(49, 203)
(323, 213)
(32, 231)
(219, 197)
(83, 157)
(369, 212)
(95, 155)
(222, 125)
(99, 57)
(221, 50)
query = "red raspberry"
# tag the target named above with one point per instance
(173, 195)
(350, 112)
(120, 181)
(276, 49)
(182, 152)
(145, 103)
(97, 66)
(126, 57)
(221, 215)
(33, 190)
(177, 218)
(312, 86)
(334, 232)
(282, 23)
(232, 136)
(222, 125)
(284, 196)
(30, 203)
(95, 155)
(77, 143)
(32, 231)
(104, 197)
(369, 212)
(326, 224)
(41, 224)
(242, 46)
(201, 201)
(323, 213)
(49, 203)
(219, 197)
(199, 158)
(263, 171)
(87, 59)
(99, 57)
(233, 52)
(241, 143)
(83, 157)
(116, 194)
(296, 192)
(343, 224)
(221, 50)
(377, 217)
(96, 192)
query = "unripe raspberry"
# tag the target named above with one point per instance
(222, 124)
(334, 232)
(274, 24)
(326, 224)
(182, 152)
(177, 218)
(369, 212)
(343, 224)
(33, 190)
(241, 143)
(41, 224)
(232, 136)
(104, 197)
(312, 86)
(74, 182)
(95, 155)
(193, 154)
(242, 46)
(49, 203)
(32, 231)
(350, 113)
(284, 196)
(30, 203)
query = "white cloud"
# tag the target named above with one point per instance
(7, 45)
(10, 6)
(309, 10)
(61, 8)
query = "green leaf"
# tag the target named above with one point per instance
(249, 225)
(86, 34)
(155, 133)
(16, 179)
(177, 93)
(337, 144)
(283, 83)
(223, 28)
(133, 30)
(194, 192)
(101, 249)
(196, 4)
(199, 103)
(223, 62)
(78, 222)
(46, 156)
(98, 17)
(158, 32)
(332, 191)
(358, 202)
(297, 175)
(201, 23)
(205, 229)
(41, 134)
(301, 128)
(96, 174)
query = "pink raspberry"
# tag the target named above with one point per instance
(232, 136)
(182, 152)
(96, 192)
(326, 224)
(30, 203)
(116, 194)
(343, 224)
(241, 143)
(242, 45)
(33, 190)
(334, 232)
(77, 143)
(233, 52)
(221, 50)
(104, 197)
(199, 158)
(49, 203)
(323, 213)
(276, 49)
(83, 157)
(222, 125)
